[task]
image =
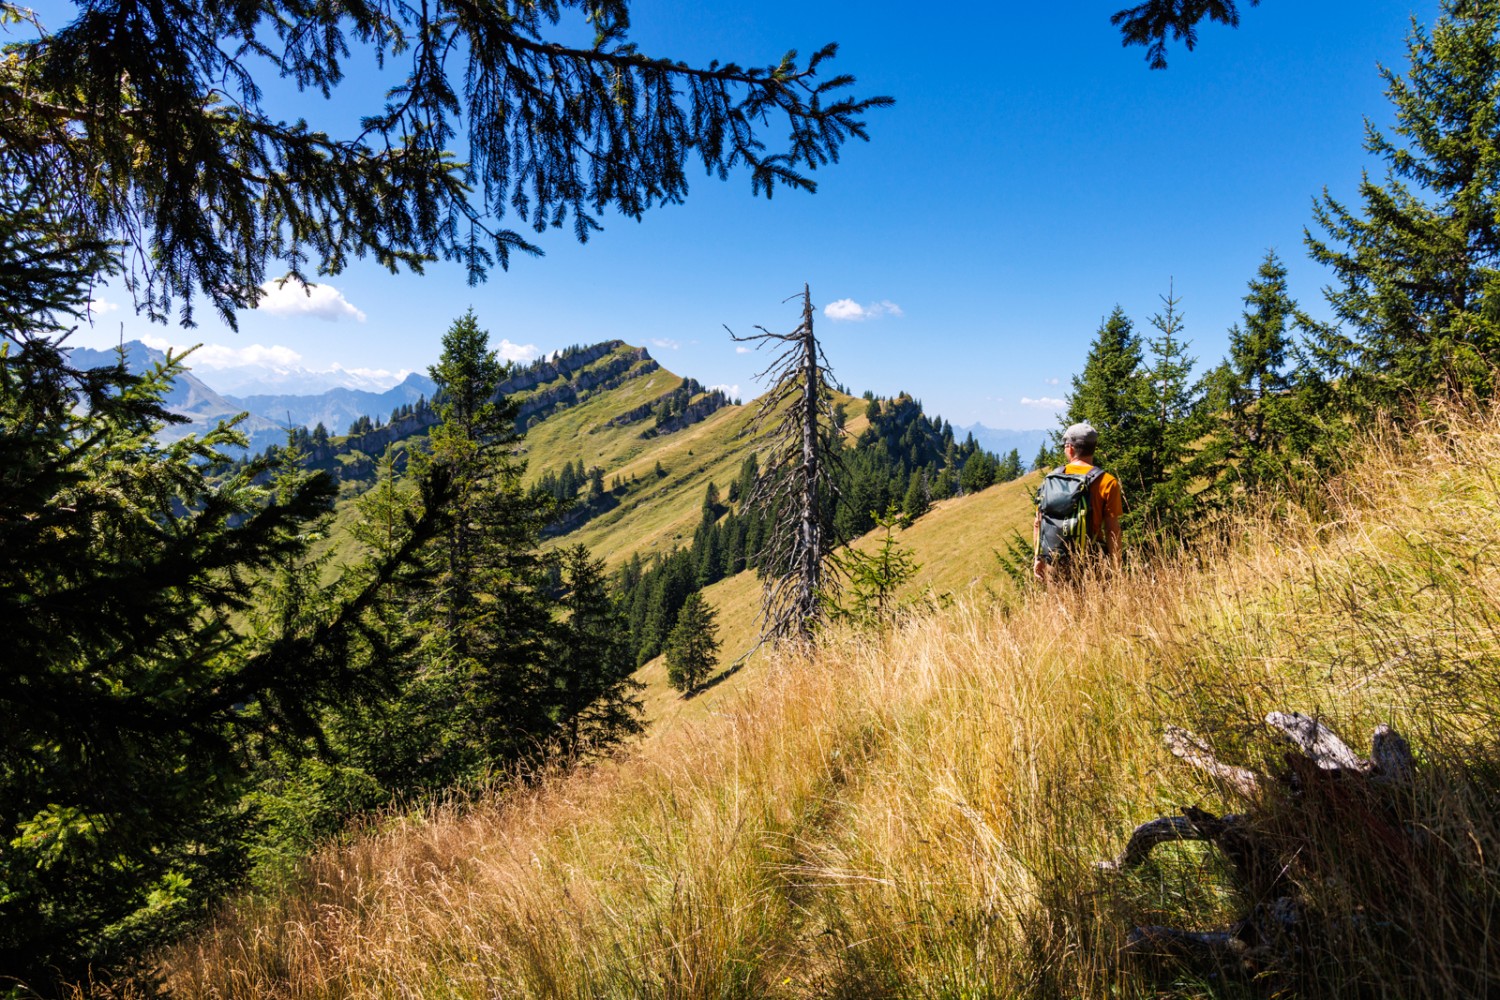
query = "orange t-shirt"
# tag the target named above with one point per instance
(1105, 496)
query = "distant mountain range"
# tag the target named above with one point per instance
(282, 380)
(1001, 441)
(205, 406)
(337, 408)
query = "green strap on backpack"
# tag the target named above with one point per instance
(1063, 503)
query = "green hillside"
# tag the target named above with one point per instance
(954, 543)
(601, 416)
(651, 512)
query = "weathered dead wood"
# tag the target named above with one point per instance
(1190, 748)
(1319, 743)
(1163, 830)
(1157, 940)
(1272, 925)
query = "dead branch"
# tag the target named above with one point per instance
(1163, 830)
(1190, 748)
(1317, 741)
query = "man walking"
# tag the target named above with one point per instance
(1078, 509)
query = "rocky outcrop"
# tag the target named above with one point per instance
(582, 383)
(696, 411)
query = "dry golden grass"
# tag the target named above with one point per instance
(916, 813)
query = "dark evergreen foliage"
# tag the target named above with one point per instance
(141, 671)
(692, 648)
(1415, 269)
(133, 127)
(1150, 22)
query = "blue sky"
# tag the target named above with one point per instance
(1032, 174)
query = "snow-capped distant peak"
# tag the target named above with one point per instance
(275, 380)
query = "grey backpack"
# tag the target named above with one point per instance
(1063, 503)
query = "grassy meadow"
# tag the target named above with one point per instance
(918, 813)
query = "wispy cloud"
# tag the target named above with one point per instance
(849, 311)
(1054, 381)
(99, 307)
(665, 344)
(291, 298)
(219, 356)
(1044, 403)
(518, 352)
(741, 349)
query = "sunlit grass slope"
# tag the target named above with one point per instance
(954, 545)
(916, 814)
(657, 512)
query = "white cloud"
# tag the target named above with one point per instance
(291, 298)
(519, 352)
(99, 307)
(1045, 403)
(256, 355)
(665, 344)
(849, 311)
(741, 349)
(1053, 381)
(732, 391)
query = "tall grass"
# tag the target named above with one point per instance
(917, 813)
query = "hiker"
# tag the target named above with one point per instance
(1078, 508)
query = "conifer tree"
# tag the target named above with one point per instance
(1166, 443)
(1248, 394)
(1108, 393)
(157, 136)
(875, 578)
(693, 646)
(486, 620)
(597, 702)
(1010, 467)
(1415, 265)
(137, 685)
(918, 498)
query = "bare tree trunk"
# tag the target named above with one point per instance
(810, 543)
(797, 483)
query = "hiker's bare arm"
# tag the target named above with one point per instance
(1038, 567)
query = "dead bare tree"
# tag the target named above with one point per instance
(797, 486)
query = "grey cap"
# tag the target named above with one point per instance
(1082, 434)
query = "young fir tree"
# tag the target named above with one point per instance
(1110, 395)
(597, 703)
(1248, 397)
(693, 646)
(875, 578)
(1416, 269)
(1165, 443)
